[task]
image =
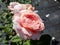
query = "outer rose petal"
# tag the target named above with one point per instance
(23, 7)
(16, 7)
(35, 36)
(12, 4)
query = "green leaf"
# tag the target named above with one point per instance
(15, 39)
(27, 42)
(0, 39)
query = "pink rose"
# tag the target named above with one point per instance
(26, 22)
(28, 25)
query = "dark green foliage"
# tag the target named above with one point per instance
(44, 40)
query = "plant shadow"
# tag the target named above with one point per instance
(44, 40)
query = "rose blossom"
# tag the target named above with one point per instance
(26, 22)
(28, 25)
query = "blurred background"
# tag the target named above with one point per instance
(49, 11)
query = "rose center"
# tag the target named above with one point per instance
(31, 17)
